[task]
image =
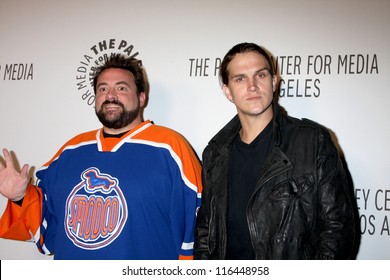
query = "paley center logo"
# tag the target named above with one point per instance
(96, 55)
(96, 210)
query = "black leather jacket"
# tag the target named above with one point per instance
(301, 207)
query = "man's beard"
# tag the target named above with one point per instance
(125, 118)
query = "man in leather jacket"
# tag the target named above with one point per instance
(273, 186)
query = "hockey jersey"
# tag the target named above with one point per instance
(133, 197)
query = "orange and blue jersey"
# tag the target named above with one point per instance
(133, 197)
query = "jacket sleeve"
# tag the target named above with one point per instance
(201, 246)
(23, 222)
(335, 214)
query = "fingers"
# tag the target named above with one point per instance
(10, 163)
(8, 160)
(24, 171)
(7, 157)
(6, 154)
(13, 183)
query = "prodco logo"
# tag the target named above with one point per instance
(96, 210)
(97, 54)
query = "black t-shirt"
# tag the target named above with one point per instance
(246, 161)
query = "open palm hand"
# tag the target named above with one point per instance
(13, 184)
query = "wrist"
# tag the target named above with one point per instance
(17, 198)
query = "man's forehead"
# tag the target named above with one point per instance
(248, 57)
(115, 72)
(244, 62)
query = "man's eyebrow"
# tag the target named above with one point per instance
(101, 84)
(263, 69)
(122, 83)
(117, 83)
(237, 75)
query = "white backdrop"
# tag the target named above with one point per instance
(333, 57)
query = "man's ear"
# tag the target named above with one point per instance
(274, 80)
(142, 99)
(227, 93)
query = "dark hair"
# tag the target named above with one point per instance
(126, 63)
(242, 48)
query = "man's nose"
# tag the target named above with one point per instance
(252, 85)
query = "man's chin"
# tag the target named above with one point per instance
(112, 116)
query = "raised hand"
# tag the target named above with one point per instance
(13, 184)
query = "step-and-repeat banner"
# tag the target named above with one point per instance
(333, 58)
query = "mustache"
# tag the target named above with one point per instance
(115, 102)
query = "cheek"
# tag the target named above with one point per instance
(99, 99)
(267, 86)
(235, 90)
(130, 100)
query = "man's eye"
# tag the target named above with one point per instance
(263, 74)
(122, 88)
